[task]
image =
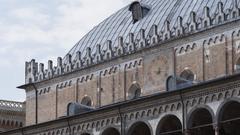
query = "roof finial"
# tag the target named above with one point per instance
(166, 32)
(89, 60)
(99, 56)
(59, 66)
(193, 25)
(180, 28)
(155, 37)
(109, 51)
(235, 11)
(78, 60)
(142, 42)
(68, 67)
(220, 14)
(120, 48)
(131, 45)
(207, 19)
(50, 69)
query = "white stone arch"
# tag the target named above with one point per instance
(198, 107)
(201, 120)
(130, 127)
(224, 104)
(154, 122)
(162, 119)
(110, 127)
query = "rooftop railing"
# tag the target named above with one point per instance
(12, 105)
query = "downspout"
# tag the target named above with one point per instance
(36, 107)
(22, 131)
(124, 82)
(174, 62)
(226, 56)
(203, 62)
(183, 113)
(121, 119)
(180, 92)
(233, 55)
(76, 91)
(69, 126)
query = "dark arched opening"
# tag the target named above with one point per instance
(201, 122)
(169, 125)
(185, 79)
(134, 91)
(86, 101)
(187, 75)
(139, 128)
(230, 119)
(171, 83)
(111, 131)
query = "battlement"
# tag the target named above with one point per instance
(12, 106)
(134, 43)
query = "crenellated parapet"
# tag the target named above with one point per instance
(134, 43)
(31, 71)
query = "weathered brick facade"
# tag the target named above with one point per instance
(125, 80)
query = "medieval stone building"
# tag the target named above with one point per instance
(12, 115)
(155, 67)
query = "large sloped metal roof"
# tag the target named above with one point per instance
(121, 23)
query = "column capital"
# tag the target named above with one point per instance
(216, 128)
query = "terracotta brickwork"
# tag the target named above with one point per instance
(206, 46)
(207, 59)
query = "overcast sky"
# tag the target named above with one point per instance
(43, 30)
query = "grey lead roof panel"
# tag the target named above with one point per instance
(121, 24)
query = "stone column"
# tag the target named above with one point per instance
(216, 129)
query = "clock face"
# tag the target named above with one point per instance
(157, 71)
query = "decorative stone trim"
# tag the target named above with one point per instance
(158, 37)
(44, 91)
(64, 84)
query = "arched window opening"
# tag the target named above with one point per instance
(111, 131)
(134, 91)
(171, 83)
(139, 128)
(230, 119)
(201, 123)
(86, 101)
(187, 75)
(185, 79)
(169, 125)
(237, 66)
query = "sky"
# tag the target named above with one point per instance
(43, 30)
